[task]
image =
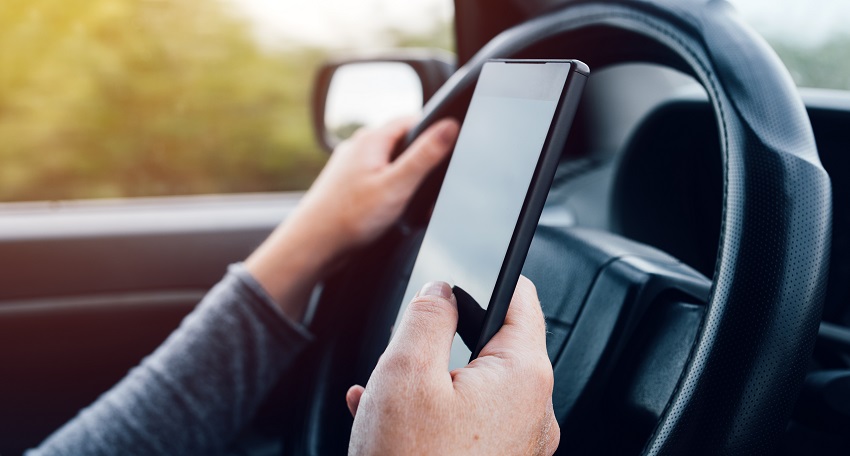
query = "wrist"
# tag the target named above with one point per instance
(290, 263)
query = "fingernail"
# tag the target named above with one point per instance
(441, 289)
(446, 132)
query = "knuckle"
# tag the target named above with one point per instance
(405, 379)
(431, 307)
(402, 368)
(403, 364)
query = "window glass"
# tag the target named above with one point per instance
(121, 98)
(811, 37)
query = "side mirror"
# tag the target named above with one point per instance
(357, 92)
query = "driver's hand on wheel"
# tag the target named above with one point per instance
(501, 403)
(359, 194)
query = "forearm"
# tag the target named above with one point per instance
(294, 258)
(196, 392)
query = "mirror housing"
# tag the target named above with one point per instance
(431, 67)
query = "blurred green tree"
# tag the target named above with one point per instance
(121, 98)
(115, 98)
(106, 98)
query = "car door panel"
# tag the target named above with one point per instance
(90, 288)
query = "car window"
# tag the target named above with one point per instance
(811, 37)
(124, 98)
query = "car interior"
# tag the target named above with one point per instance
(692, 257)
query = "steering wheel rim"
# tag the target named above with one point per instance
(738, 388)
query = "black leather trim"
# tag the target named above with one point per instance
(740, 384)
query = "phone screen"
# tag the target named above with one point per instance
(488, 177)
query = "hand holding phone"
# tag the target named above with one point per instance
(494, 190)
(411, 404)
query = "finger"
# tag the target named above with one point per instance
(385, 138)
(352, 398)
(429, 149)
(524, 325)
(424, 335)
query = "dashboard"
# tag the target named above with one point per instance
(661, 179)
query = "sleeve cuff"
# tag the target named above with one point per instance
(266, 305)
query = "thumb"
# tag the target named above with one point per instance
(424, 336)
(352, 398)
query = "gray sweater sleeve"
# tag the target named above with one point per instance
(197, 391)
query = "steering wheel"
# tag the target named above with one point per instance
(756, 327)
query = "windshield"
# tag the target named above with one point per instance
(811, 37)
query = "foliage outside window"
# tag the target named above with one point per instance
(106, 98)
(122, 98)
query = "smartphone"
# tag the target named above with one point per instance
(494, 189)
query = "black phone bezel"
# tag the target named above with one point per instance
(535, 197)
